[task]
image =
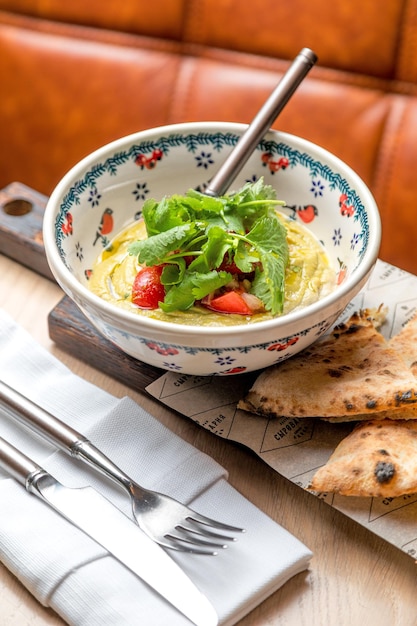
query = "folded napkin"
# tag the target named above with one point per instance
(65, 569)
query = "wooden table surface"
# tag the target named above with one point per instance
(354, 578)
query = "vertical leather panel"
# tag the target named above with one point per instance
(159, 19)
(63, 97)
(396, 183)
(407, 44)
(355, 35)
(345, 119)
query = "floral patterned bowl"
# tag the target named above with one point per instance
(105, 191)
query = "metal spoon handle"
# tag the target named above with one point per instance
(262, 122)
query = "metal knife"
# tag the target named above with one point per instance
(107, 525)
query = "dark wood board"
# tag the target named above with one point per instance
(72, 332)
(21, 217)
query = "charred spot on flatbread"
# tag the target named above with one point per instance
(378, 459)
(384, 471)
(349, 373)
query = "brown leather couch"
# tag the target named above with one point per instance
(76, 74)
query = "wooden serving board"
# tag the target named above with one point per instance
(21, 216)
(72, 332)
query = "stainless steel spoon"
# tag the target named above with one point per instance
(261, 123)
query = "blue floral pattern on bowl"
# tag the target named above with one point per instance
(105, 192)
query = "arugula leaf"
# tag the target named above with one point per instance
(153, 250)
(164, 215)
(180, 297)
(213, 250)
(232, 221)
(194, 286)
(202, 203)
(242, 227)
(245, 257)
(269, 237)
(253, 201)
(173, 273)
(253, 191)
(209, 282)
(269, 283)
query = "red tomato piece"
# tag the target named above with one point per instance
(230, 302)
(147, 288)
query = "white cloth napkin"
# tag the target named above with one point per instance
(66, 570)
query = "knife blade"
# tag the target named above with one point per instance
(107, 525)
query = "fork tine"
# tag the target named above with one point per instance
(181, 544)
(207, 521)
(204, 531)
(187, 540)
(203, 538)
(155, 513)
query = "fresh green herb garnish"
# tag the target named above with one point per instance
(195, 235)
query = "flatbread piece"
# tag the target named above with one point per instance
(352, 373)
(405, 344)
(378, 459)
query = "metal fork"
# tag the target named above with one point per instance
(164, 519)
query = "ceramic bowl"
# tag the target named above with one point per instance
(323, 192)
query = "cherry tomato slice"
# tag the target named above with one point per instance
(147, 289)
(230, 302)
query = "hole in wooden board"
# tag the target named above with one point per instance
(17, 207)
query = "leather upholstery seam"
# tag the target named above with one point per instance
(389, 146)
(407, 40)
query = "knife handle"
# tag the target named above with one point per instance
(60, 434)
(17, 464)
(32, 415)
